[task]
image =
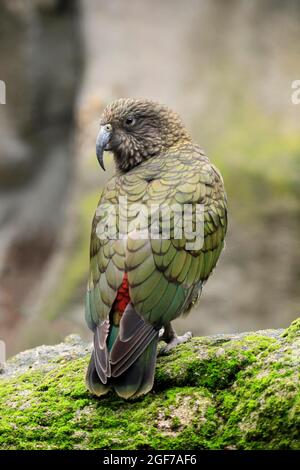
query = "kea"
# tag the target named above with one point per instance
(157, 234)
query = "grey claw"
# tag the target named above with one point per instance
(174, 342)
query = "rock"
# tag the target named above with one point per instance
(237, 391)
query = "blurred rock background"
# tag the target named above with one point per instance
(226, 67)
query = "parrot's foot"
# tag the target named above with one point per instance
(171, 338)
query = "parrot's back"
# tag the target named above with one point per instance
(140, 278)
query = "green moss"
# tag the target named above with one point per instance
(293, 331)
(209, 365)
(209, 394)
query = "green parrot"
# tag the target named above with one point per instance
(157, 234)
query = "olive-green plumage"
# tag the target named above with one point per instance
(159, 167)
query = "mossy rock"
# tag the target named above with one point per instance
(221, 392)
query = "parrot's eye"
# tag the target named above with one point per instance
(130, 121)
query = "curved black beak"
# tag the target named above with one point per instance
(102, 140)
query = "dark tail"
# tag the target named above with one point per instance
(129, 366)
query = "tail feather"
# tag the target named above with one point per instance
(101, 357)
(132, 353)
(149, 362)
(139, 377)
(128, 364)
(94, 383)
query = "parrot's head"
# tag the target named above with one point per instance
(135, 130)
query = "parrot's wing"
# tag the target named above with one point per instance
(107, 268)
(107, 264)
(136, 338)
(166, 275)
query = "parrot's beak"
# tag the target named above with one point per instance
(102, 140)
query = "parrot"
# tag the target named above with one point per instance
(143, 276)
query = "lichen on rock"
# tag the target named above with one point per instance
(221, 392)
